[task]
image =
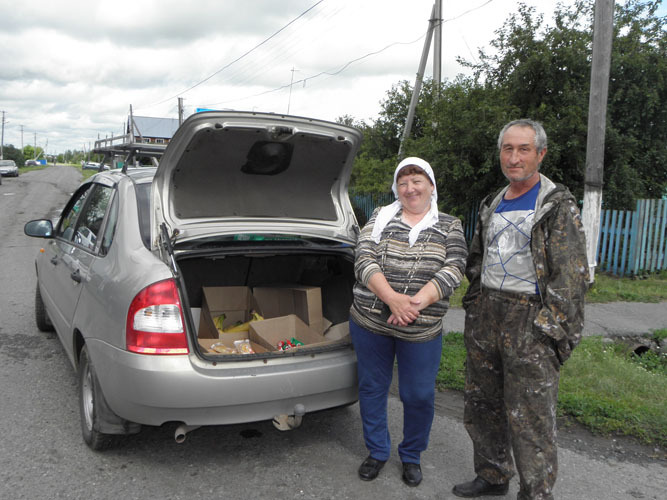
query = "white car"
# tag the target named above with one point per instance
(240, 203)
(8, 169)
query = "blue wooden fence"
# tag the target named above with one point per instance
(633, 242)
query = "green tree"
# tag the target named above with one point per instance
(541, 72)
(9, 152)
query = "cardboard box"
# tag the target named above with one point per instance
(269, 332)
(228, 340)
(236, 302)
(304, 301)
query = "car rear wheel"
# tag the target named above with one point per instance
(89, 398)
(41, 316)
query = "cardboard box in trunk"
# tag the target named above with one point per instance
(236, 302)
(304, 301)
(269, 332)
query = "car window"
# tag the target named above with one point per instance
(89, 222)
(110, 227)
(71, 213)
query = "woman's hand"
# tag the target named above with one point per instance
(404, 310)
(404, 314)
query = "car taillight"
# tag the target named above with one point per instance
(155, 321)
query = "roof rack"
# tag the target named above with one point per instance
(129, 149)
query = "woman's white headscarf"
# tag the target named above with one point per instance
(388, 212)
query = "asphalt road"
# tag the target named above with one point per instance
(42, 455)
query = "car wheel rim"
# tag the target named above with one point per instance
(87, 398)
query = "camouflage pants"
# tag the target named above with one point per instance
(511, 392)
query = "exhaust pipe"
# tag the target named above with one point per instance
(182, 430)
(290, 422)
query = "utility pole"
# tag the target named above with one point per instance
(437, 47)
(2, 137)
(418, 83)
(289, 101)
(180, 110)
(597, 118)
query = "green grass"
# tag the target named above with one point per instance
(607, 288)
(30, 169)
(604, 386)
(610, 390)
(452, 363)
(647, 288)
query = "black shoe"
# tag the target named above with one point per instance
(480, 487)
(412, 474)
(370, 468)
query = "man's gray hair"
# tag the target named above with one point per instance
(540, 134)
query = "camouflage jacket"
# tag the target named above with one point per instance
(558, 249)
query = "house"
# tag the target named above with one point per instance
(145, 137)
(148, 130)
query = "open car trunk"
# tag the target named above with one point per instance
(302, 294)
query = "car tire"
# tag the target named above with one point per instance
(41, 316)
(89, 398)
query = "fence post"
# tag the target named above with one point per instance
(626, 241)
(662, 259)
(633, 263)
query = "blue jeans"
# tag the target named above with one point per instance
(418, 364)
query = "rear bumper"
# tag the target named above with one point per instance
(152, 390)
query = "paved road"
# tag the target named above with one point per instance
(42, 455)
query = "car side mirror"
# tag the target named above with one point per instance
(41, 228)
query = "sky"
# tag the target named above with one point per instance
(71, 69)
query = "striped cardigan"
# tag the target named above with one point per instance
(439, 256)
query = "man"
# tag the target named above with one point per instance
(528, 274)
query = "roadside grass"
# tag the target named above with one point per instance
(611, 390)
(87, 173)
(30, 169)
(647, 288)
(604, 386)
(650, 287)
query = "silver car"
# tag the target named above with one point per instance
(241, 200)
(8, 168)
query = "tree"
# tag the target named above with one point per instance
(9, 152)
(540, 72)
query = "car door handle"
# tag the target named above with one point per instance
(54, 260)
(76, 276)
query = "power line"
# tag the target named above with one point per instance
(240, 57)
(347, 64)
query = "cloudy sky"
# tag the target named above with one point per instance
(71, 69)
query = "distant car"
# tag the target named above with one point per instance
(8, 168)
(239, 200)
(31, 163)
(94, 166)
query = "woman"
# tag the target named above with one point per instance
(408, 261)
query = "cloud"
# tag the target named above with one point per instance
(72, 68)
